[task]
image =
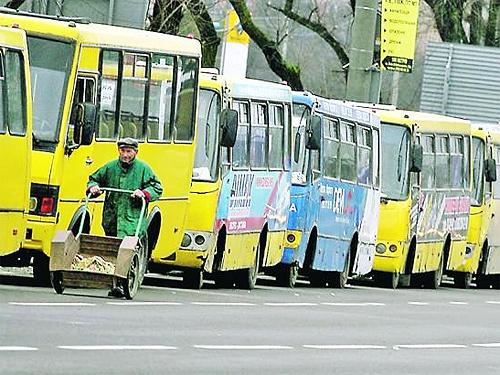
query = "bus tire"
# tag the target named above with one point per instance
(495, 281)
(317, 279)
(56, 279)
(432, 280)
(484, 281)
(287, 275)
(224, 279)
(386, 279)
(192, 278)
(462, 279)
(247, 278)
(339, 279)
(41, 272)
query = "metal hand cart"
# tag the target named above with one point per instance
(89, 261)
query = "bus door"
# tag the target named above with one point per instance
(16, 145)
(493, 262)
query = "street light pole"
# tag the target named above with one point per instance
(359, 77)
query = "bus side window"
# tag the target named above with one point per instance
(277, 148)
(187, 87)
(442, 172)
(347, 152)
(331, 147)
(240, 149)
(161, 100)
(364, 143)
(258, 135)
(428, 162)
(84, 93)
(109, 93)
(133, 95)
(496, 184)
(3, 93)
(376, 156)
(456, 162)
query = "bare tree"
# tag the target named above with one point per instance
(285, 70)
(14, 4)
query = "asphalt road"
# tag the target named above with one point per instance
(270, 330)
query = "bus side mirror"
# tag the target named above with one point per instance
(314, 134)
(85, 123)
(417, 156)
(296, 149)
(229, 127)
(490, 170)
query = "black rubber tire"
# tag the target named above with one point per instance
(287, 275)
(56, 279)
(192, 278)
(462, 280)
(388, 280)
(339, 279)
(131, 283)
(432, 280)
(247, 278)
(224, 279)
(317, 279)
(41, 272)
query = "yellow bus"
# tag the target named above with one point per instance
(93, 84)
(15, 142)
(425, 197)
(488, 212)
(483, 167)
(240, 195)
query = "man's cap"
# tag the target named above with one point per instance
(128, 142)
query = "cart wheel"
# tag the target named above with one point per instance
(56, 279)
(143, 257)
(131, 283)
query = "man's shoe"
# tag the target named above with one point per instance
(117, 291)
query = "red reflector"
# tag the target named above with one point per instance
(47, 205)
(15, 26)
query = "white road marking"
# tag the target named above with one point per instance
(117, 347)
(429, 346)
(290, 304)
(51, 304)
(16, 348)
(223, 303)
(488, 345)
(493, 302)
(145, 303)
(458, 303)
(353, 304)
(343, 347)
(243, 347)
(418, 303)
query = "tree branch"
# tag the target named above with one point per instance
(14, 4)
(286, 71)
(209, 38)
(316, 27)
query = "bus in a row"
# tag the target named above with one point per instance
(93, 84)
(15, 142)
(240, 194)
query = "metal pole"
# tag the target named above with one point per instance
(361, 57)
(111, 10)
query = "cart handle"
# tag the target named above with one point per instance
(143, 208)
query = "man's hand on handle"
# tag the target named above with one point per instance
(95, 190)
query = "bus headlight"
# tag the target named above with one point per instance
(393, 248)
(290, 237)
(199, 239)
(186, 240)
(380, 248)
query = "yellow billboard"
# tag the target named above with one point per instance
(398, 34)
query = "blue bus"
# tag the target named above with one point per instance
(335, 194)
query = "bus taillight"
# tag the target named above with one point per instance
(47, 205)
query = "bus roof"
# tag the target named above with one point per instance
(12, 37)
(338, 108)
(212, 81)
(427, 122)
(257, 89)
(101, 35)
(491, 129)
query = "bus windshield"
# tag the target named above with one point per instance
(300, 119)
(477, 171)
(205, 165)
(50, 66)
(395, 159)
